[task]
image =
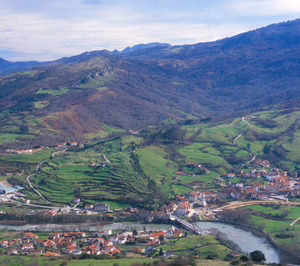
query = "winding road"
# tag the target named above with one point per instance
(240, 135)
(38, 167)
(30, 184)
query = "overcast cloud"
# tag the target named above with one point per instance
(46, 30)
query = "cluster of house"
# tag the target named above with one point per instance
(278, 184)
(66, 144)
(74, 243)
(99, 207)
(191, 165)
(97, 243)
(26, 151)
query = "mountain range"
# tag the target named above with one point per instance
(97, 93)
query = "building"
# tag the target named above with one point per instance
(100, 207)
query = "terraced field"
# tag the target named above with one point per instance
(71, 176)
(137, 169)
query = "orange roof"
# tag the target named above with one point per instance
(30, 235)
(158, 234)
(51, 254)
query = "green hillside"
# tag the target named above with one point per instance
(156, 164)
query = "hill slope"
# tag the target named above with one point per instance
(85, 96)
(153, 167)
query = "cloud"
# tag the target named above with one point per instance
(46, 30)
(266, 7)
(92, 2)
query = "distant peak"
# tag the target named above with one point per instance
(3, 60)
(139, 47)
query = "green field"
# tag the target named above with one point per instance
(135, 161)
(200, 245)
(278, 223)
(155, 163)
(53, 92)
(33, 158)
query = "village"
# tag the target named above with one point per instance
(105, 242)
(259, 182)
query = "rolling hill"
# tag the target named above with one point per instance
(158, 163)
(98, 93)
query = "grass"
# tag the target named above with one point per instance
(126, 141)
(112, 262)
(99, 134)
(203, 245)
(154, 162)
(41, 104)
(99, 83)
(53, 92)
(70, 176)
(181, 190)
(9, 138)
(112, 130)
(276, 228)
(27, 261)
(198, 154)
(33, 158)
(206, 178)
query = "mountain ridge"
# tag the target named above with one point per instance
(154, 84)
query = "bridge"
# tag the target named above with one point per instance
(187, 225)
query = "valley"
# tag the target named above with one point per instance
(183, 136)
(119, 170)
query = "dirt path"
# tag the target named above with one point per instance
(30, 184)
(236, 139)
(292, 224)
(38, 168)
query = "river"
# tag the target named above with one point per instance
(246, 240)
(84, 227)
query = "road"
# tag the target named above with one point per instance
(254, 157)
(244, 119)
(236, 139)
(238, 204)
(38, 167)
(58, 152)
(108, 161)
(292, 224)
(35, 205)
(30, 184)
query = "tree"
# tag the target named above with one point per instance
(161, 238)
(267, 148)
(257, 256)
(161, 252)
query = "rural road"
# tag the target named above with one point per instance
(38, 167)
(236, 139)
(236, 205)
(244, 119)
(30, 184)
(292, 224)
(254, 157)
(108, 161)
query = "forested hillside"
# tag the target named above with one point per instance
(97, 93)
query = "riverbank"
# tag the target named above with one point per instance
(246, 239)
(285, 256)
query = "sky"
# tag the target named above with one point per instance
(50, 29)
